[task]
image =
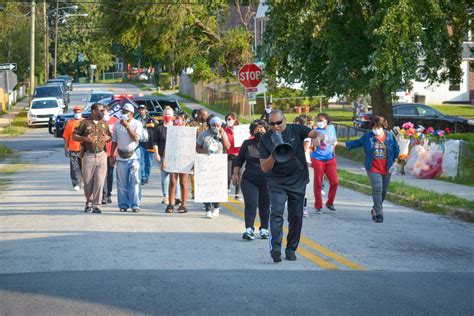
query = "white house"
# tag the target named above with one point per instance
(447, 92)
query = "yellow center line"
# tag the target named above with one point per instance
(312, 245)
(305, 253)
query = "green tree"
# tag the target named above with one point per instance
(178, 36)
(364, 47)
(84, 36)
(15, 38)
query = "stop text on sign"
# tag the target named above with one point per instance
(250, 75)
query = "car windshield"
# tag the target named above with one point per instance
(51, 91)
(44, 104)
(99, 96)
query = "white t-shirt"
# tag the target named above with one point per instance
(123, 140)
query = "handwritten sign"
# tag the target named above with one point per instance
(241, 133)
(180, 150)
(210, 176)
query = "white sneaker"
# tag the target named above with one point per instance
(322, 192)
(76, 188)
(215, 212)
(165, 200)
(264, 233)
(305, 212)
(209, 215)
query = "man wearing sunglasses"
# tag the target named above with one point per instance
(286, 182)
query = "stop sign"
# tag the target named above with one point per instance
(250, 76)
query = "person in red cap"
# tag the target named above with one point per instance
(72, 149)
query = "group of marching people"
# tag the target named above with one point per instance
(130, 145)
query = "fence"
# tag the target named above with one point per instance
(224, 97)
(345, 132)
(114, 75)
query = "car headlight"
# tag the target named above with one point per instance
(470, 122)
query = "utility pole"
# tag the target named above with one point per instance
(46, 41)
(56, 38)
(32, 49)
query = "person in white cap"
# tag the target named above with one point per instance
(212, 141)
(125, 139)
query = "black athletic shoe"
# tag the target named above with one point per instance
(104, 201)
(379, 219)
(331, 207)
(276, 255)
(169, 209)
(177, 201)
(290, 255)
(88, 209)
(135, 210)
(123, 210)
(109, 200)
(97, 210)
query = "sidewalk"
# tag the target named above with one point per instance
(461, 191)
(15, 109)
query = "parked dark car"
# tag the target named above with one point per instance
(420, 114)
(56, 124)
(68, 79)
(64, 89)
(55, 91)
(63, 82)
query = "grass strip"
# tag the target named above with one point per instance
(413, 197)
(19, 125)
(5, 152)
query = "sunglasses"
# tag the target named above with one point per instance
(276, 123)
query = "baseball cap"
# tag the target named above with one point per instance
(128, 107)
(77, 108)
(142, 106)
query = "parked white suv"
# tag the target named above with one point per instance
(95, 96)
(41, 110)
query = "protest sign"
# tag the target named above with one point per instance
(241, 133)
(210, 178)
(180, 150)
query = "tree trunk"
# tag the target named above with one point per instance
(382, 104)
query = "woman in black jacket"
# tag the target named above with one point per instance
(254, 182)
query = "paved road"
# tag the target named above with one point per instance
(55, 259)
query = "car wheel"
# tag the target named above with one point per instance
(458, 128)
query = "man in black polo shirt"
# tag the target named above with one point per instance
(286, 181)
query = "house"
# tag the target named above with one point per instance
(447, 92)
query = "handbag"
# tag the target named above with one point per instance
(125, 154)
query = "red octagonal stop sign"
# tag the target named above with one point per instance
(250, 76)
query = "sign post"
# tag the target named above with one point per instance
(250, 75)
(10, 82)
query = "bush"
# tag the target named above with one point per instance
(165, 81)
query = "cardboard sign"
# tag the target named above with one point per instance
(180, 150)
(210, 176)
(241, 133)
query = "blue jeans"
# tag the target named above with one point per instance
(146, 161)
(165, 183)
(128, 183)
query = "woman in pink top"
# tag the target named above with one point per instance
(232, 120)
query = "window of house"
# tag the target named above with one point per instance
(454, 86)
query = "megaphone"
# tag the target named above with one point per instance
(282, 152)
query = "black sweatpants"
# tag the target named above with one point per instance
(109, 180)
(278, 198)
(75, 166)
(230, 172)
(255, 193)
